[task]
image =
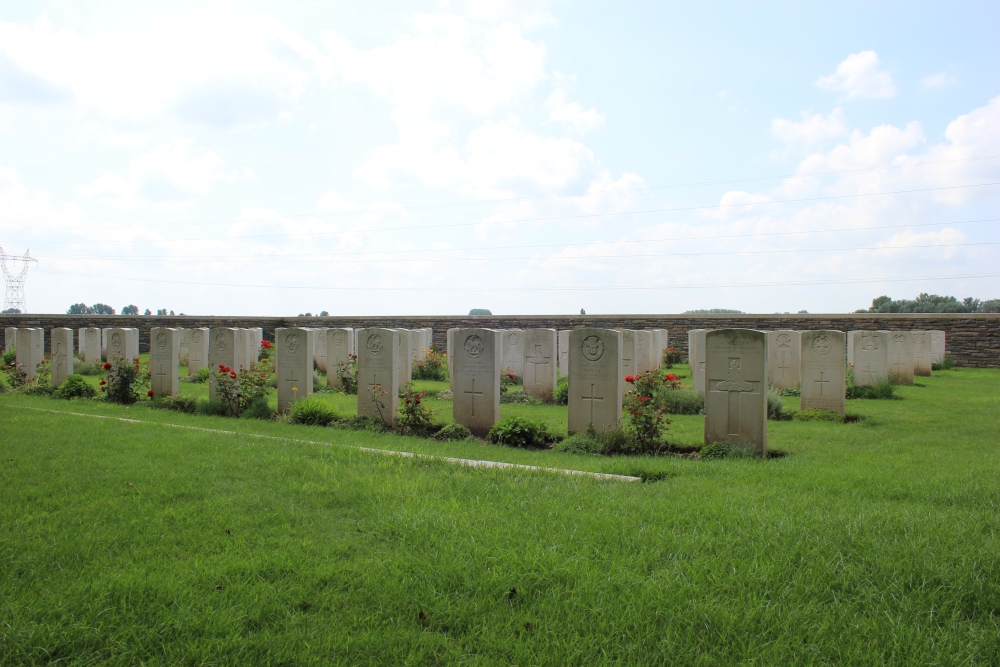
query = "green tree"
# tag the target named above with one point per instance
(130, 309)
(78, 309)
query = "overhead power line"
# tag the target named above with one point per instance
(580, 216)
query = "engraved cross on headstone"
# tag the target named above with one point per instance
(536, 360)
(821, 382)
(160, 375)
(897, 365)
(291, 379)
(474, 393)
(734, 386)
(592, 398)
(867, 373)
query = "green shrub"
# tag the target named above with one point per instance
(791, 391)
(200, 376)
(454, 431)
(92, 368)
(188, 404)
(561, 393)
(723, 450)
(518, 432)
(312, 411)
(579, 443)
(433, 367)
(946, 365)
(209, 408)
(259, 409)
(609, 442)
(519, 397)
(363, 423)
(75, 386)
(8, 357)
(776, 407)
(682, 401)
(882, 389)
(818, 415)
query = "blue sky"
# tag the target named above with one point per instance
(527, 157)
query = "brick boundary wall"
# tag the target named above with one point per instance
(972, 340)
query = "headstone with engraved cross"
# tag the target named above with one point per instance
(92, 345)
(295, 374)
(783, 357)
(117, 344)
(197, 349)
(564, 353)
(823, 370)
(937, 345)
(871, 356)
(736, 396)
(339, 348)
(30, 349)
(476, 357)
(696, 358)
(628, 358)
(901, 356)
(539, 363)
(595, 379)
(221, 350)
(512, 351)
(378, 373)
(61, 342)
(921, 352)
(9, 338)
(164, 354)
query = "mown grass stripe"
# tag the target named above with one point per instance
(470, 463)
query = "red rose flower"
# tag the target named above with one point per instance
(149, 393)
(102, 382)
(630, 378)
(672, 377)
(670, 349)
(106, 366)
(644, 398)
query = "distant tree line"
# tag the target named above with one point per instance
(105, 309)
(932, 303)
(714, 311)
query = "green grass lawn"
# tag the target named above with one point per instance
(131, 542)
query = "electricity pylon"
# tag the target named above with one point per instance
(14, 277)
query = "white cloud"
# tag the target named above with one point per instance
(169, 174)
(23, 210)
(937, 80)
(570, 113)
(860, 76)
(812, 130)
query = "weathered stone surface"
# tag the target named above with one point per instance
(91, 345)
(564, 353)
(540, 363)
(295, 379)
(449, 352)
(131, 343)
(197, 349)
(319, 349)
(937, 346)
(405, 367)
(595, 379)
(339, 348)
(643, 351)
(784, 350)
(921, 341)
(850, 346)
(871, 356)
(9, 338)
(378, 373)
(61, 351)
(696, 358)
(736, 379)
(222, 349)
(901, 356)
(30, 349)
(628, 358)
(118, 346)
(164, 354)
(823, 370)
(476, 399)
(512, 349)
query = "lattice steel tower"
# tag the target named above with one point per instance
(14, 276)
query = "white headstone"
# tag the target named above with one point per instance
(823, 370)
(320, 351)
(164, 353)
(696, 357)
(850, 345)
(921, 352)
(736, 378)
(513, 351)
(131, 343)
(656, 352)
(784, 352)
(595, 379)
(539, 362)
(9, 338)
(222, 349)
(476, 400)
(378, 373)
(182, 348)
(643, 351)
(79, 341)
(30, 345)
(339, 349)
(405, 364)
(197, 349)
(628, 358)
(937, 346)
(104, 342)
(901, 356)
(449, 352)
(92, 345)
(61, 342)
(118, 344)
(564, 353)
(240, 354)
(871, 356)
(295, 379)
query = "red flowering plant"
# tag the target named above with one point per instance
(431, 367)
(347, 373)
(266, 350)
(414, 415)
(17, 377)
(123, 380)
(507, 380)
(647, 420)
(238, 390)
(671, 357)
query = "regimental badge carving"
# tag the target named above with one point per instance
(822, 344)
(899, 338)
(196, 336)
(735, 381)
(292, 343)
(592, 348)
(220, 342)
(869, 343)
(116, 339)
(474, 346)
(161, 340)
(338, 338)
(513, 338)
(935, 337)
(374, 345)
(784, 341)
(321, 336)
(91, 335)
